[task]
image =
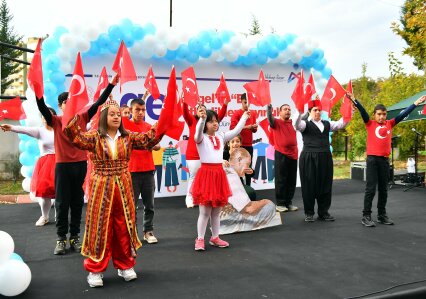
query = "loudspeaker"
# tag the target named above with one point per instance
(359, 171)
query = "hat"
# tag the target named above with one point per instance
(315, 103)
(108, 104)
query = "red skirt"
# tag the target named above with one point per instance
(43, 179)
(210, 186)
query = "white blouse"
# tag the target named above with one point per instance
(44, 136)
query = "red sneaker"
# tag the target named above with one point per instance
(218, 242)
(199, 245)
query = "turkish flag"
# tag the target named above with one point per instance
(77, 97)
(102, 83)
(151, 84)
(332, 94)
(424, 109)
(252, 97)
(123, 65)
(176, 129)
(298, 95)
(309, 89)
(189, 87)
(35, 73)
(12, 109)
(169, 114)
(346, 107)
(222, 92)
(263, 90)
(265, 126)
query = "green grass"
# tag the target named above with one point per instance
(11, 188)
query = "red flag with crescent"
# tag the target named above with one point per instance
(189, 87)
(169, 113)
(123, 65)
(252, 97)
(263, 90)
(35, 73)
(346, 107)
(102, 83)
(151, 84)
(77, 93)
(12, 109)
(222, 92)
(332, 94)
(309, 89)
(265, 126)
(298, 95)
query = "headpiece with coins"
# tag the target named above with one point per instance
(108, 104)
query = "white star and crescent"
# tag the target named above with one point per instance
(378, 134)
(82, 84)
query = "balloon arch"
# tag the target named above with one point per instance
(162, 46)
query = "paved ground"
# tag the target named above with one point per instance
(295, 260)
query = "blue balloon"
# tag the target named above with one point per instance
(126, 24)
(204, 37)
(24, 137)
(103, 42)
(137, 32)
(248, 61)
(205, 51)
(263, 46)
(15, 256)
(50, 90)
(216, 43)
(115, 33)
(22, 122)
(319, 65)
(50, 45)
(94, 49)
(26, 159)
(31, 146)
(239, 61)
(128, 39)
(170, 55)
(252, 54)
(58, 32)
(281, 44)
(192, 57)
(289, 38)
(273, 52)
(182, 52)
(326, 73)
(22, 146)
(226, 36)
(194, 45)
(261, 59)
(149, 28)
(52, 63)
(113, 46)
(57, 77)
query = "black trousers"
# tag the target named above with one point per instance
(144, 185)
(69, 178)
(285, 179)
(159, 174)
(377, 175)
(316, 177)
(249, 176)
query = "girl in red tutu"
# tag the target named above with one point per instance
(43, 178)
(210, 190)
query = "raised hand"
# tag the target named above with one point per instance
(6, 128)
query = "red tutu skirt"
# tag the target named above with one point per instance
(43, 179)
(210, 186)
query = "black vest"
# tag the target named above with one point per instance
(314, 140)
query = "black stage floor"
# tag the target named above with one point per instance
(296, 260)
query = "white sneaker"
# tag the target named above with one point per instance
(292, 208)
(128, 274)
(95, 280)
(42, 221)
(150, 238)
(281, 209)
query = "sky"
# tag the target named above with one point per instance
(350, 32)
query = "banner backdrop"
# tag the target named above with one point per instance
(208, 77)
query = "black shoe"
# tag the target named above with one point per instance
(309, 218)
(366, 221)
(326, 217)
(384, 219)
(60, 248)
(75, 244)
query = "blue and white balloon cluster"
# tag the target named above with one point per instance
(15, 275)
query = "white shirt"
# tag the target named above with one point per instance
(334, 125)
(112, 143)
(44, 136)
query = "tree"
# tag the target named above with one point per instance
(395, 67)
(413, 30)
(8, 36)
(255, 27)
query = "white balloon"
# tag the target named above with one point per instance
(67, 40)
(162, 34)
(149, 41)
(226, 49)
(160, 50)
(232, 56)
(92, 33)
(66, 67)
(24, 171)
(244, 49)
(16, 278)
(63, 54)
(173, 43)
(82, 45)
(6, 246)
(235, 41)
(30, 95)
(296, 58)
(26, 183)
